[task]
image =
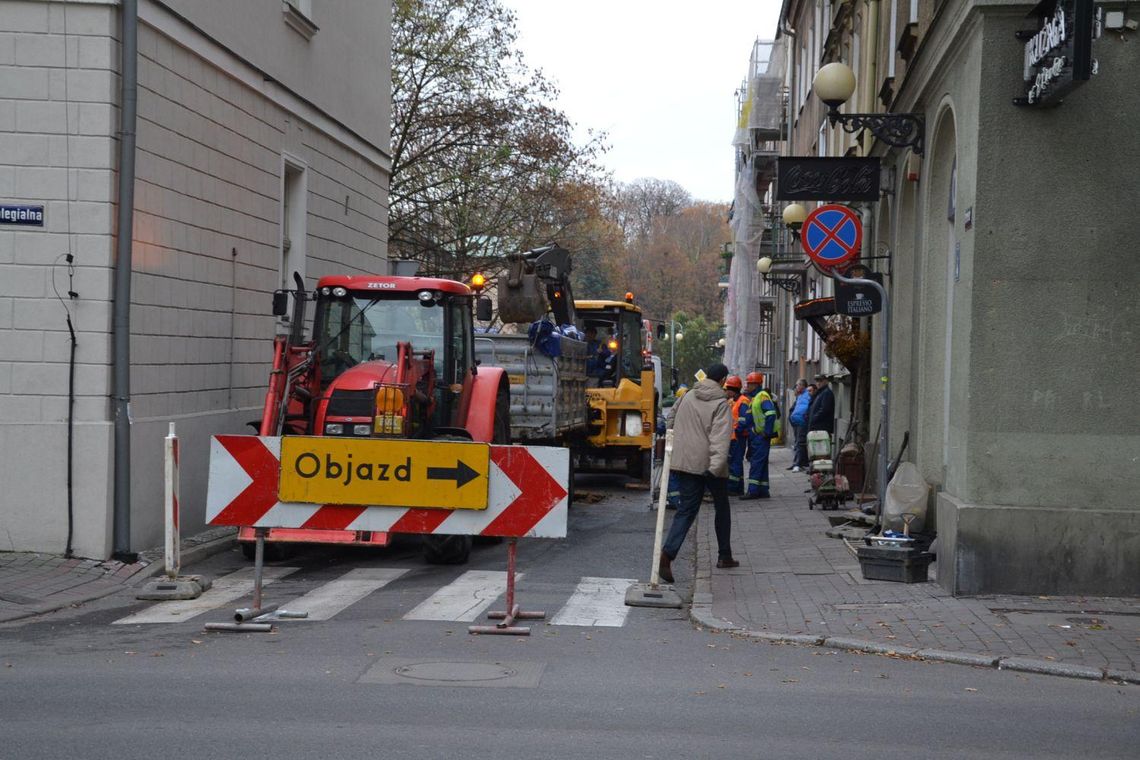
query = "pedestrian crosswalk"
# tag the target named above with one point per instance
(593, 602)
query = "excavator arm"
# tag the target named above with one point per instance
(537, 280)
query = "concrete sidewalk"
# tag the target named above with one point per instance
(795, 584)
(32, 584)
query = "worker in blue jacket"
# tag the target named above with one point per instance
(761, 420)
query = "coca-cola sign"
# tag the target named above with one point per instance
(827, 179)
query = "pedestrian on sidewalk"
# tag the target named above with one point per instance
(821, 413)
(762, 421)
(733, 388)
(702, 426)
(798, 420)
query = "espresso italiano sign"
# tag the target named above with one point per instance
(1058, 53)
(827, 179)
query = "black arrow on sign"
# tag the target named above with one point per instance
(460, 473)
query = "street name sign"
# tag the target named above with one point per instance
(801, 178)
(376, 471)
(525, 488)
(24, 216)
(831, 236)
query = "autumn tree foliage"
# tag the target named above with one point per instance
(483, 164)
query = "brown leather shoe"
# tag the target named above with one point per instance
(730, 562)
(666, 569)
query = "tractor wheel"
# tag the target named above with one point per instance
(274, 552)
(440, 549)
(445, 548)
(570, 483)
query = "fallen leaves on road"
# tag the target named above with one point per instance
(970, 689)
(790, 680)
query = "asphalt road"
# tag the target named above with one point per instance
(369, 683)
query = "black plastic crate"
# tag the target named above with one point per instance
(888, 563)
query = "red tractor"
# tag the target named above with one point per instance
(389, 357)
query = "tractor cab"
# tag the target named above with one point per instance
(408, 336)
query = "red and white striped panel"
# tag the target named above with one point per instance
(526, 495)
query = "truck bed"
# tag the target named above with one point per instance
(548, 395)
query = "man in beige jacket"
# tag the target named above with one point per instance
(702, 427)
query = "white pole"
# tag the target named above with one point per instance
(662, 495)
(170, 504)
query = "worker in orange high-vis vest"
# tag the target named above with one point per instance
(734, 386)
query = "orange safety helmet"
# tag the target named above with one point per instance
(733, 381)
(755, 378)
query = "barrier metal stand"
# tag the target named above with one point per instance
(508, 617)
(172, 585)
(653, 594)
(258, 618)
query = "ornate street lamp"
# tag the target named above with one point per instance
(790, 284)
(835, 83)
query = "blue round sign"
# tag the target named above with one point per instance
(832, 235)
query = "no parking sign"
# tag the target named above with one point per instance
(832, 235)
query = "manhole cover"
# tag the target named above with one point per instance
(418, 672)
(455, 671)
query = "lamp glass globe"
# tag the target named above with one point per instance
(834, 83)
(764, 265)
(678, 336)
(794, 215)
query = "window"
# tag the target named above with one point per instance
(294, 232)
(299, 16)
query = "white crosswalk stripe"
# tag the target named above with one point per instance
(465, 598)
(225, 589)
(597, 602)
(330, 598)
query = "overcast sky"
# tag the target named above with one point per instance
(657, 75)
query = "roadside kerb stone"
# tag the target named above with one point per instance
(1049, 668)
(871, 647)
(195, 549)
(1123, 676)
(958, 658)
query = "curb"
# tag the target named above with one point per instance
(700, 613)
(196, 553)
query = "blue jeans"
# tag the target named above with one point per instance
(692, 490)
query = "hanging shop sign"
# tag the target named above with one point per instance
(858, 300)
(831, 236)
(25, 216)
(827, 179)
(1058, 53)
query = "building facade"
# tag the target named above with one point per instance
(1006, 245)
(261, 149)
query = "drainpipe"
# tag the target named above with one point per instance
(121, 315)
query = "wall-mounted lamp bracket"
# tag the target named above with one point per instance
(902, 130)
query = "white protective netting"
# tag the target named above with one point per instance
(759, 125)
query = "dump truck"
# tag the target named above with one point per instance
(387, 357)
(546, 369)
(598, 398)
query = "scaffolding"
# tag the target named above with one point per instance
(751, 338)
